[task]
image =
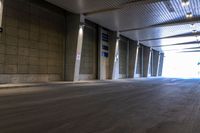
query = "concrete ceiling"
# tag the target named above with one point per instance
(154, 22)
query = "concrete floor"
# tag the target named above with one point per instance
(127, 106)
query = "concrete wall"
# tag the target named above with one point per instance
(113, 37)
(123, 45)
(146, 54)
(89, 57)
(31, 46)
(72, 29)
(161, 64)
(139, 69)
(132, 58)
(155, 58)
(104, 60)
(42, 42)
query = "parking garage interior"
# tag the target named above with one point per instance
(99, 66)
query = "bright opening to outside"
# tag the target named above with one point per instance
(182, 65)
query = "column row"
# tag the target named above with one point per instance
(93, 52)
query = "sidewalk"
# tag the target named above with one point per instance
(19, 85)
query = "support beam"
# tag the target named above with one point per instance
(146, 60)
(150, 63)
(79, 48)
(127, 59)
(182, 49)
(171, 37)
(155, 63)
(136, 60)
(177, 44)
(132, 58)
(1, 14)
(158, 65)
(75, 31)
(115, 71)
(161, 64)
(167, 24)
(189, 51)
(101, 65)
(78, 53)
(105, 44)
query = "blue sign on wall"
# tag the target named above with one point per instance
(105, 54)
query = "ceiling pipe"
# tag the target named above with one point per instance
(176, 44)
(169, 37)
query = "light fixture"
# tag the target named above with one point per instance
(194, 31)
(192, 26)
(118, 38)
(189, 15)
(82, 25)
(185, 2)
(198, 38)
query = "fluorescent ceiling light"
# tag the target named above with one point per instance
(192, 26)
(194, 31)
(198, 38)
(189, 15)
(185, 2)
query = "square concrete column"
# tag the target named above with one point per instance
(146, 60)
(131, 58)
(115, 71)
(1, 12)
(155, 63)
(160, 69)
(78, 53)
(158, 65)
(104, 53)
(136, 60)
(73, 48)
(150, 66)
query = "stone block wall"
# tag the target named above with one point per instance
(32, 42)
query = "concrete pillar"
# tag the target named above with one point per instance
(158, 65)
(136, 60)
(131, 58)
(1, 14)
(104, 53)
(161, 64)
(78, 53)
(127, 59)
(73, 48)
(155, 63)
(100, 61)
(115, 71)
(150, 63)
(146, 60)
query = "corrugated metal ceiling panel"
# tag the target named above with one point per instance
(128, 14)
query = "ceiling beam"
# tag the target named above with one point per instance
(176, 44)
(181, 50)
(123, 5)
(175, 36)
(193, 48)
(189, 51)
(167, 24)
